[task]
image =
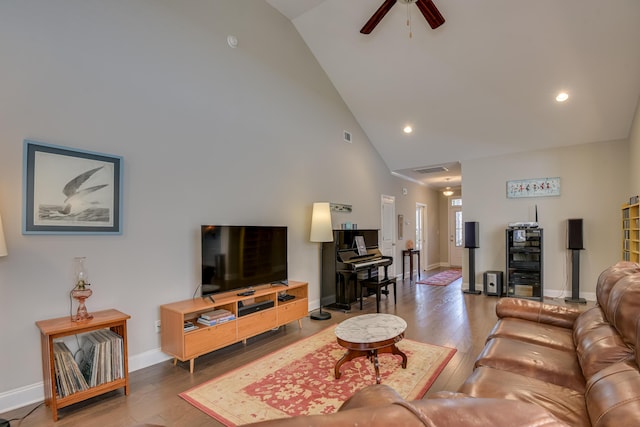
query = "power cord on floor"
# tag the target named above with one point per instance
(7, 423)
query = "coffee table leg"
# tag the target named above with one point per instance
(396, 350)
(349, 355)
(376, 366)
(339, 364)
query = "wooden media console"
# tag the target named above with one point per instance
(188, 345)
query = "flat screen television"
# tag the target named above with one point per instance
(235, 257)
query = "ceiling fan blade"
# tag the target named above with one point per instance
(377, 17)
(431, 13)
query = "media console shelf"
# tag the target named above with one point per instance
(204, 339)
(54, 329)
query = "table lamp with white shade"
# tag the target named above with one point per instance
(321, 231)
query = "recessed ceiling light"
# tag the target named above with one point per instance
(562, 96)
(407, 129)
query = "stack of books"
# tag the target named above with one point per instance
(215, 317)
(69, 379)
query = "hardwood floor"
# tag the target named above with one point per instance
(441, 315)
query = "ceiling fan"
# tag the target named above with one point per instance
(428, 9)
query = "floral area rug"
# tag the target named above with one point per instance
(299, 379)
(443, 278)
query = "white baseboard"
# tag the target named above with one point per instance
(34, 393)
(23, 396)
(548, 293)
(146, 359)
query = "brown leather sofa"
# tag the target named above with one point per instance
(542, 365)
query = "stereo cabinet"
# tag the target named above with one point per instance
(524, 263)
(188, 345)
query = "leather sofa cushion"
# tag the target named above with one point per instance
(613, 396)
(537, 333)
(598, 343)
(534, 311)
(566, 404)
(555, 366)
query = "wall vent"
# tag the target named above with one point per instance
(433, 169)
(347, 136)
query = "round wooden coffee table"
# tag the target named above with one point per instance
(369, 335)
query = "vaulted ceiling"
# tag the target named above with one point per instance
(484, 83)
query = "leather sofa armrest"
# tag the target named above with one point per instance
(458, 411)
(372, 396)
(536, 311)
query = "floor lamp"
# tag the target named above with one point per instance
(3, 252)
(321, 231)
(3, 245)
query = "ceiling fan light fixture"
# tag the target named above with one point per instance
(426, 7)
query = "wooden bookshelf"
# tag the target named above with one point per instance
(188, 345)
(53, 329)
(631, 232)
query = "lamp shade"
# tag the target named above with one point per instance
(3, 245)
(321, 228)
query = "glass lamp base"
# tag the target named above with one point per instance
(81, 295)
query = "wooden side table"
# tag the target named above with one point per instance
(410, 253)
(61, 327)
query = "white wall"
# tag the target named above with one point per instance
(634, 154)
(209, 134)
(593, 187)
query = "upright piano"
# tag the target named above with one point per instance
(343, 266)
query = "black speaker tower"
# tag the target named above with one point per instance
(575, 244)
(471, 242)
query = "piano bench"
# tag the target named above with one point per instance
(377, 285)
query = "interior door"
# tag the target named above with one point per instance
(387, 232)
(456, 237)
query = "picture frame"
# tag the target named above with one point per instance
(70, 191)
(536, 187)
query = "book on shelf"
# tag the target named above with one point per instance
(189, 326)
(216, 314)
(103, 357)
(216, 321)
(69, 379)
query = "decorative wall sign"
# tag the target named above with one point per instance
(71, 191)
(537, 187)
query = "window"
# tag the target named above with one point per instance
(459, 228)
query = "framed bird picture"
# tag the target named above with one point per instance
(69, 191)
